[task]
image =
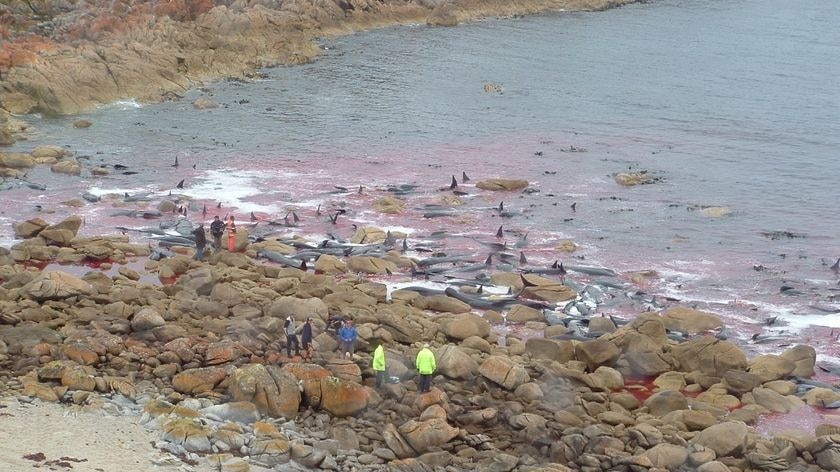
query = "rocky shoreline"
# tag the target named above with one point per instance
(194, 350)
(151, 57)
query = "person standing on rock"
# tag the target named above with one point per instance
(217, 229)
(291, 336)
(426, 366)
(348, 338)
(200, 242)
(306, 338)
(231, 227)
(335, 323)
(379, 365)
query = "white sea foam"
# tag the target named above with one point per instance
(803, 321)
(98, 191)
(6, 239)
(233, 188)
(129, 104)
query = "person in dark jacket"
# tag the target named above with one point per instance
(334, 324)
(306, 338)
(200, 242)
(217, 229)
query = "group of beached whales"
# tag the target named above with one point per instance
(462, 277)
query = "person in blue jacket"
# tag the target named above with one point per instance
(348, 338)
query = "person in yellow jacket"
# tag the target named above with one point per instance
(379, 365)
(426, 366)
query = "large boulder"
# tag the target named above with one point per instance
(396, 442)
(424, 435)
(502, 184)
(239, 412)
(770, 367)
(30, 228)
(524, 314)
(549, 290)
(16, 160)
(309, 377)
(504, 372)
(821, 397)
(329, 264)
(596, 353)
(269, 447)
(200, 281)
(774, 401)
(345, 369)
(70, 167)
(147, 318)
(57, 237)
(687, 320)
(666, 401)
(826, 449)
(464, 326)
(193, 381)
(272, 390)
(79, 378)
(709, 355)
(189, 433)
(370, 265)
(368, 235)
(739, 382)
(555, 350)
(71, 223)
(56, 286)
(343, 398)
(630, 179)
(300, 308)
(389, 205)
(667, 456)
(726, 439)
(446, 304)
(803, 358)
(56, 152)
(454, 363)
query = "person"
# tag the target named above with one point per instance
(291, 336)
(426, 366)
(306, 337)
(217, 229)
(379, 364)
(348, 338)
(335, 323)
(200, 242)
(231, 227)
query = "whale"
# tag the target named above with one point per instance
(597, 271)
(275, 256)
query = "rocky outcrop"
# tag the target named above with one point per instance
(272, 390)
(504, 372)
(502, 184)
(55, 286)
(709, 355)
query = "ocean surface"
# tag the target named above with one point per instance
(732, 104)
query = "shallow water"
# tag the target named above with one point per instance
(731, 104)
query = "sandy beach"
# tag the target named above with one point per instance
(48, 436)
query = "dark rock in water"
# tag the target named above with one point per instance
(90, 197)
